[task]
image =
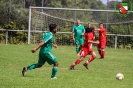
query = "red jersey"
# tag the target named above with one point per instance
(88, 36)
(102, 35)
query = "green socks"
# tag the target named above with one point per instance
(33, 66)
(54, 71)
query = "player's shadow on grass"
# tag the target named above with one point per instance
(78, 69)
(27, 76)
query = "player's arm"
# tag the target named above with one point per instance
(90, 39)
(96, 29)
(73, 34)
(46, 38)
(39, 45)
(55, 46)
(94, 42)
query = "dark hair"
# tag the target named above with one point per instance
(87, 30)
(101, 23)
(52, 26)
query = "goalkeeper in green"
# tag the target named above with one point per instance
(45, 54)
(77, 35)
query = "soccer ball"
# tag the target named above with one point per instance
(119, 76)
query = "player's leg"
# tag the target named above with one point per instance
(81, 42)
(102, 53)
(54, 70)
(76, 62)
(78, 48)
(93, 56)
(33, 66)
(99, 49)
(41, 62)
(82, 56)
(103, 45)
(77, 42)
(51, 59)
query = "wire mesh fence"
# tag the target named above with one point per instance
(64, 17)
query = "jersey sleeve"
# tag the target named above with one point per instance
(47, 37)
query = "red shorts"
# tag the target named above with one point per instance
(85, 52)
(101, 44)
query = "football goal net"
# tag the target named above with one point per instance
(41, 17)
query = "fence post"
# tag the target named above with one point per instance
(116, 41)
(6, 36)
(29, 26)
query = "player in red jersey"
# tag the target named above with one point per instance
(86, 49)
(102, 40)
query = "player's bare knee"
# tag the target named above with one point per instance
(102, 49)
(82, 58)
(56, 64)
(94, 54)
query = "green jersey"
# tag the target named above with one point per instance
(49, 40)
(78, 30)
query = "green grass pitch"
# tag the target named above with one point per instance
(101, 73)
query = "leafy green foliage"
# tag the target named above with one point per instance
(20, 9)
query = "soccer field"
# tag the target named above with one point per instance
(101, 73)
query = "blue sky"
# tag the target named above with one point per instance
(105, 1)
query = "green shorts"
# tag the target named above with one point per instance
(79, 41)
(46, 57)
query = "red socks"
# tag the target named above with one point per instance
(90, 59)
(99, 52)
(76, 62)
(102, 54)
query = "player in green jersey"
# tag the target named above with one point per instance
(45, 54)
(77, 35)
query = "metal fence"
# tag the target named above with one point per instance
(64, 38)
